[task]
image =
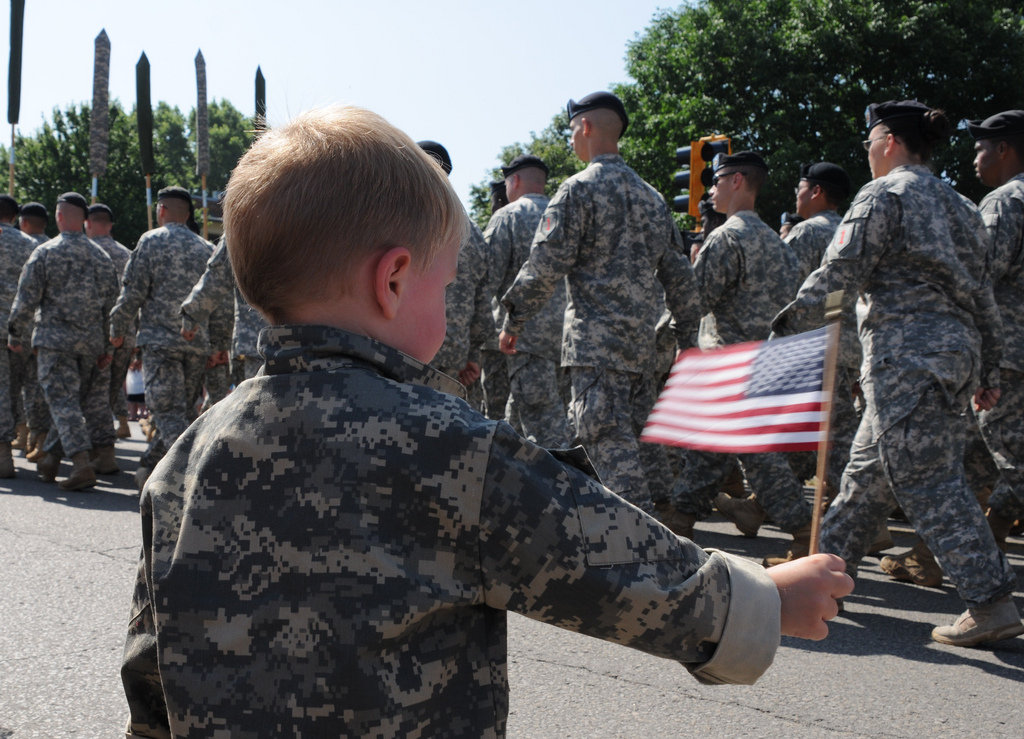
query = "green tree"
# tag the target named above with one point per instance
(552, 145)
(791, 79)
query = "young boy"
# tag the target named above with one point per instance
(331, 550)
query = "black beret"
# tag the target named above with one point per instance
(9, 202)
(74, 199)
(497, 186)
(599, 100)
(522, 162)
(176, 193)
(35, 209)
(739, 159)
(1007, 123)
(101, 208)
(881, 112)
(826, 173)
(438, 152)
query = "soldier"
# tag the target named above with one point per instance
(73, 284)
(165, 265)
(915, 252)
(533, 370)
(216, 285)
(746, 274)
(33, 219)
(98, 226)
(15, 249)
(610, 237)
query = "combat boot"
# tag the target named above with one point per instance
(123, 429)
(1000, 528)
(733, 485)
(82, 474)
(6, 460)
(679, 523)
(746, 513)
(982, 624)
(21, 437)
(917, 565)
(103, 460)
(36, 451)
(883, 541)
(48, 466)
(799, 547)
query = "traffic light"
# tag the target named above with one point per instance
(697, 156)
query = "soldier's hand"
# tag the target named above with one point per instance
(117, 341)
(103, 361)
(189, 335)
(507, 343)
(16, 348)
(469, 374)
(808, 588)
(985, 398)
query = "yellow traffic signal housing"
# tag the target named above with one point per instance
(697, 179)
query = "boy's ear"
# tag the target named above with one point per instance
(391, 278)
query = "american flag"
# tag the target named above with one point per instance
(762, 396)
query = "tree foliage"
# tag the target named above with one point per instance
(55, 159)
(791, 79)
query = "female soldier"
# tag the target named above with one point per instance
(915, 250)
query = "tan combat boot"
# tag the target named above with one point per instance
(917, 566)
(82, 474)
(1000, 528)
(679, 523)
(35, 451)
(746, 513)
(123, 429)
(883, 541)
(48, 466)
(982, 624)
(6, 460)
(103, 460)
(21, 437)
(799, 547)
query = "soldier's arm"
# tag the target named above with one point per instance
(210, 292)
(681, 293)
(27, 299)
(135, 288)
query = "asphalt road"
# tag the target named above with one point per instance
(67, 563)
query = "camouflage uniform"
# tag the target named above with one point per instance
(914, 249)
(1003, 426)
(533, 369)
(119, 255)
(610, 237)
(165, 265)
(36, 410)
(809, 239)
(746, 275)
(217, 285)
(73, 284)
(15, 250)
(332, 550)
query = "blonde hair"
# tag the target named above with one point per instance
(310, 201)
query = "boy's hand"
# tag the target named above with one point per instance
(808, 588)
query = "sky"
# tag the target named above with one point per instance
(474, 76)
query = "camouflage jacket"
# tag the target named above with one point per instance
(1003, 211)
(809, 239)
(73, 283)
(467, 307)
(205, 304)
(161, 272)
(331, 550)
(15, 249)
(118, 253)
(509, 236)
(611, 237)
(746, 275)
(915, 251)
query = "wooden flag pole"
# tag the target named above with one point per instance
(833, 311)
(149, 201)
(10, 191)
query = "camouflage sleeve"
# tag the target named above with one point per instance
(681, 294)
(134, 289)
(30, 293)
(552, 255)
(463, 304)
(110, 298)
(221, 323)
(990, 325)
(211, 291)
(718, 268)
(560, 548)
(481, 327)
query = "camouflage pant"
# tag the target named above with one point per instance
(534, 400)
(606, 415)
(78, 395)
(19, 366)
(1003, 431)
(909, 448)
(118, 372)
(174, 379)
(495, 381)
(217, 382)
(36, 409)
(6, 398)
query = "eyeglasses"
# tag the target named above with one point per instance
(868, 142)
(717, 177)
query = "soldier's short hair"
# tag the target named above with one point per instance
(311, 200)
(8, 207)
